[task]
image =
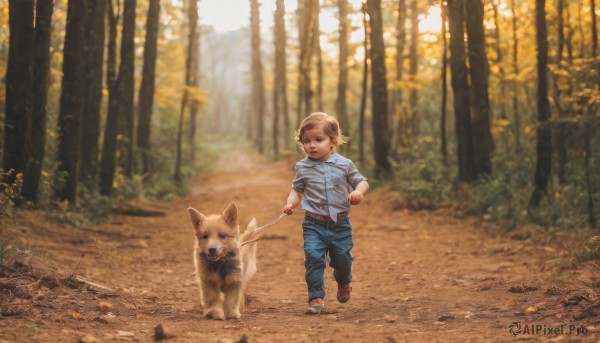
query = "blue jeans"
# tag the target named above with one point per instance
(321, 238)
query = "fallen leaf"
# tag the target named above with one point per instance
(533, 309)
(105, 305)
(87, 339)
(76, 315)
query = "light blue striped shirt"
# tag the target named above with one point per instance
(326, 184)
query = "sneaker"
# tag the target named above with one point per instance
(315, 305)
(343, 293)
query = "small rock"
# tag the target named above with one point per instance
(161, 332)
(49, 281)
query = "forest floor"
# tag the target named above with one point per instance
(420, 276)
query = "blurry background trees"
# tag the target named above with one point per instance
(513, 139)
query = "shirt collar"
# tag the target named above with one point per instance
(331, 160)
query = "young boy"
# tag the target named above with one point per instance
(328, 184)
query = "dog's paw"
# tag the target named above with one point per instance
(234, 315)
(214, 313)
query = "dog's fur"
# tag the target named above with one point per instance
(223, 266)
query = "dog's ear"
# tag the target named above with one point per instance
(230, 215)
(196, 217)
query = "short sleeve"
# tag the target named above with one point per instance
(298, 183)
(354, 176)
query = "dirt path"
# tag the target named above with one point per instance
(418, 276)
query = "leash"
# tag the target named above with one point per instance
(262, 228)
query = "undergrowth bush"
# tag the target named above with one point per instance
(500, 199)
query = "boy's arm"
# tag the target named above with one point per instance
(356, 196)
(293, 200)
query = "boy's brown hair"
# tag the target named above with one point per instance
(330, 126)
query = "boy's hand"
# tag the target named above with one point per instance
(288, 209)
(355, 197)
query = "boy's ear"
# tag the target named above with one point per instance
(230, 215)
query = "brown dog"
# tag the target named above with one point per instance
(223, 265)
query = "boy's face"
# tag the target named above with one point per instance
(317, 144)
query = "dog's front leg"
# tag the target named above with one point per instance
(233, 296)
(212, 301)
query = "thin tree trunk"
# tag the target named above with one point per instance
(515, 63)
(126, 85)
(444, 148)
(280, 88)
(544, 136)
(195, 83)
(41, 71)
(482, 137)
(365, 84)
(189, 81)
(594, 27)
(379, 92)
(561, 133)
(258, 88)
(94, 61)
(306, 35)
(71, 101)
(397, 105)
(109, 145)
(414, 66)
(19, 77)
(341, 104)
(146, 93)
(460, 88)
(319, 54)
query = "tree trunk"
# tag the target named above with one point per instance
(126, 86)
(71, 100)
(305, 34)
(19, 77)
(561, 133)
(41, 71)
(341, 104)
(195, 83)
(280, 108)
(93, 51)
(482, 136)
(190, 76)
(544, 137)
(444, 148)
(109, 145)
(414, 66)
(460, 89)
(379, 92)
(594, 27)
(146, 92)
(515, 63)
(365, 86)
(397, 106)
(319, 54)
(258, 88)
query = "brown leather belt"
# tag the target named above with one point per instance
(341, 216)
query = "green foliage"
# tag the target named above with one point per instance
(10, 191)
(502, 197)
(421, 177)
(9, 253)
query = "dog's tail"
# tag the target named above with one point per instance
(248, 252)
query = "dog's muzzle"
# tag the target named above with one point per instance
(214, 254)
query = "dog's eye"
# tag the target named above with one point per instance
(222, 236)
(205, 236)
